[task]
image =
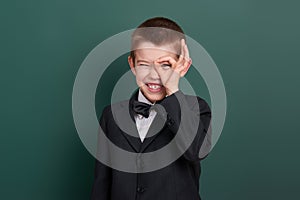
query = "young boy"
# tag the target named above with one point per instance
(159, 58)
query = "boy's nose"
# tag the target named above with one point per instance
(153, 73)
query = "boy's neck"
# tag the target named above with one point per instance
(143, 98)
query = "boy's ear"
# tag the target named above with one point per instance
(185, 70)
(131, 64)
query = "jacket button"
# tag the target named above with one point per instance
(140, 189)
(170, 121)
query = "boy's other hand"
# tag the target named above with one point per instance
(170, 70)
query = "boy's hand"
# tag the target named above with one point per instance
(170, 70)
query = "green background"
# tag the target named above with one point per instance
(255, 44)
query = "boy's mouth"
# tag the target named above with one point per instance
(153, 87)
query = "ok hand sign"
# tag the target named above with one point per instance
(170, 70)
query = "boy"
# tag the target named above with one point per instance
(159, 58)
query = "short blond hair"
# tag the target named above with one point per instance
(159, 31)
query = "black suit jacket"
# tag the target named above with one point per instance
(177, 181)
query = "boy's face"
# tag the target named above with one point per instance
(143, 68)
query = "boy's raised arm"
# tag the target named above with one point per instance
(191, 118)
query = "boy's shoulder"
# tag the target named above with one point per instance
(203, 105)
(193, 102)
(118, 106)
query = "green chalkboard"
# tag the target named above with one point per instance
(255, 45)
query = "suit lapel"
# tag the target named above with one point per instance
(155, 129)
(124, 117)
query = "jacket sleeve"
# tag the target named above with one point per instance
(102, 177)
(190, 116)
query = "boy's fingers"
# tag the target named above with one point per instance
(182, 47)
(182, 67)
(187, 54)
(185, 65)
(180, 59)
(187, 59)
(166, 59)
(188, 63)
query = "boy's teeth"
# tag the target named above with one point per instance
(154, 86)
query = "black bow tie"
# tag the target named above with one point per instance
(141, 108)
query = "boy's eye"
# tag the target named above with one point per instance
(142, 64)
(166, 66)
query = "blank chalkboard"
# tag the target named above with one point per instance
(255, 45)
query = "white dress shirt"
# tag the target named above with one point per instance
(143, 123)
